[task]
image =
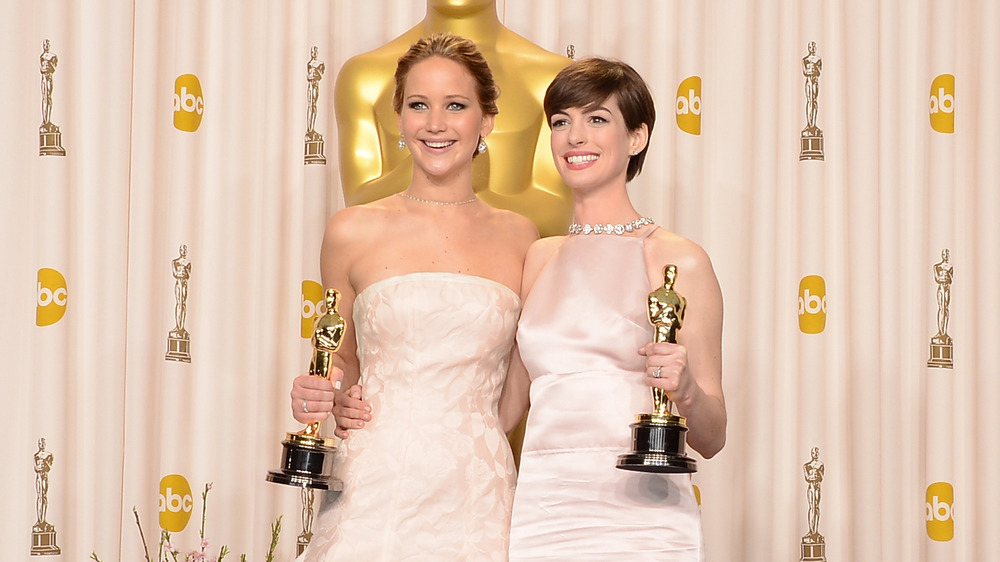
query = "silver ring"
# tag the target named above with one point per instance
(656, 373)
(304, 409)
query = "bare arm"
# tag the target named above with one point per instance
(515, 399)
(319, 394)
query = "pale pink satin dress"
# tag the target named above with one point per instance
(431, 476)
(579, 334)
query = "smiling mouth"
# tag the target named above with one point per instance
(581, 159)
(439, 144)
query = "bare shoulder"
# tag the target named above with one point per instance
(666, 247)
(518, 228)
(543, 248)
(539, 254)
(351, 226)
(696, 280)
(694, 266)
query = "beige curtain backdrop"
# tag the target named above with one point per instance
(182, 124)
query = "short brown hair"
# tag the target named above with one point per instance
(591, 81)
(454, 48)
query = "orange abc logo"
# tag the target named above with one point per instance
(189, 103)
(941, 511)
(50, 303)
(812, 304)
(689, 105)
(942, 103)
(176, 503)
(313, 305)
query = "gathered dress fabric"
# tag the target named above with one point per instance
(431, 476)
(580, 330)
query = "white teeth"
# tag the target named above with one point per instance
(439, 144)
(581, 159)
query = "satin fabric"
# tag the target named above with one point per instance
(431, 476)
(579, 334)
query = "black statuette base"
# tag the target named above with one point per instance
(658, 446)
(306, 462)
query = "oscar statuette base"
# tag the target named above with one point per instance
(941, 356)
(178, 348)
(50, 144)
(658, 446)
(306, 461)
(301, 543)
(314, 151)
(812, 551)
(43, 543)
(811, 147)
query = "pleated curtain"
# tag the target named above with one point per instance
(155, 188)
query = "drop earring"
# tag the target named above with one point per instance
(482, 146)
(402, 143)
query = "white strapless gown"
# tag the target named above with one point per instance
(431, 476)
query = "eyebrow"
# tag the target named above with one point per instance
(586, 109)
(447, 97)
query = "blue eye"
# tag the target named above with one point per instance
(417, 105)
(455, 106)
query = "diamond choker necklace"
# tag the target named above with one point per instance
(431, 201)
(609, 228)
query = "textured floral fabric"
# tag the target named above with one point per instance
(579, 335)
(431, 476)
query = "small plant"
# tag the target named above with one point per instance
(168, 553)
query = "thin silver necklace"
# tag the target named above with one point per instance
(431, 201)
(619, 229)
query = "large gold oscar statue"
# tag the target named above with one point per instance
(515, 173)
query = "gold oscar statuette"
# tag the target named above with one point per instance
(658, 437)
(179, 340)
(307, 456)
(49, 135)
(811, 141)
(813, 545)
(942, 346)
(43, 533)
(314, 140)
